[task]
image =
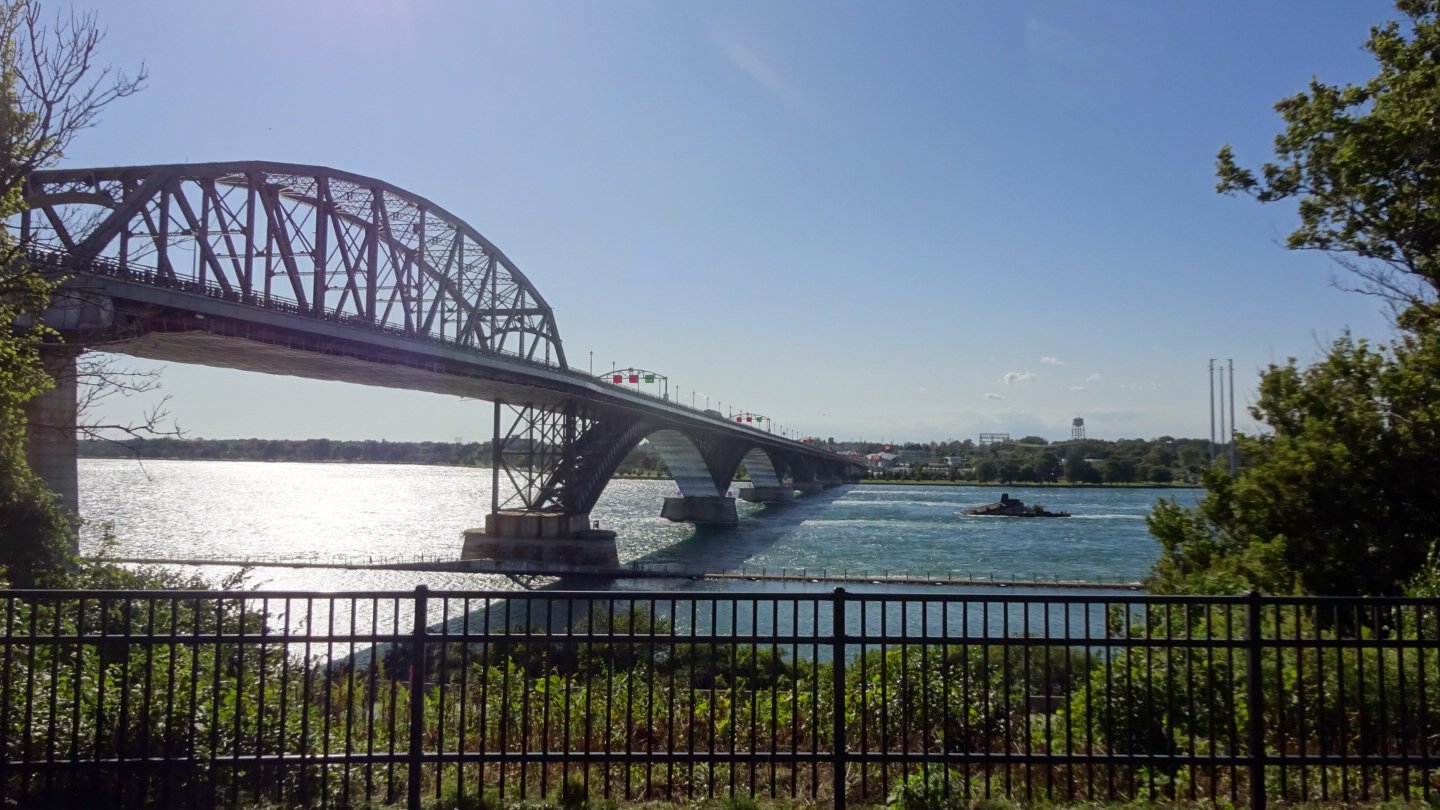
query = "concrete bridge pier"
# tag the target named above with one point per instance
(760, 493)
(50, 445)
(809, 487)
(712, 509)
(551, 538)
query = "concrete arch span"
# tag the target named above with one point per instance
(762, 468)
(686, 463)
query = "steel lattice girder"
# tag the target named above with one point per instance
(558, 458)
(329, 242)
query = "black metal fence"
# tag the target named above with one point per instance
(203, 699)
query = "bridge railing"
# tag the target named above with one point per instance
(240, 698)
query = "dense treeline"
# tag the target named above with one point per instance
(1029, 460)
(1032, 459)
(470, 454)
(1090, 461)
(642, 460)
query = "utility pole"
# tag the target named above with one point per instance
(1222, 404)
(1212, 412)
(1231, 364)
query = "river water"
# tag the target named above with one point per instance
(230, 509)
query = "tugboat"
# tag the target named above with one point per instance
(1012, 507)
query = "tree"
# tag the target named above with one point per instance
(50, 90)
(1119, 470)
(1160, 475)
(1080, 471)
(1337, 498)
(1048, 467)
(1361, 163)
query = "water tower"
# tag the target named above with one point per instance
(1077, 428)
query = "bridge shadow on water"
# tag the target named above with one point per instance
(726, 548)
(709, 548)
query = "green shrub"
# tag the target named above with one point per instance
(927, 789)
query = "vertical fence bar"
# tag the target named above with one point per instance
(837, 668)
(1256, 697)
(417, 698)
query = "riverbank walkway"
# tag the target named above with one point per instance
(642, 570)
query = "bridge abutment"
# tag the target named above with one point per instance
(542, 537)
(50, 444)
(714, 509)
(766, 494)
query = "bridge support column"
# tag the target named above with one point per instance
(809, 487)
(547, 539)
(50, 445)
(714, 509)
(766, 494)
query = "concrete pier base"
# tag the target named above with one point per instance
(763, 494)
(50, 443)
(808, 487)
(542, 537)
(713, 509)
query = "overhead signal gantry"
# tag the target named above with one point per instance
(637, 377)
(753, 419)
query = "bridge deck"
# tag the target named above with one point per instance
(639, 569)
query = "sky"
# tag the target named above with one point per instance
(900, 221)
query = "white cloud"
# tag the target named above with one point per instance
(1052, 361)
(1012, 377)
(993, 395)
(1093, 377)
(1077, 388)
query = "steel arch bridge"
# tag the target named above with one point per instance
(309, 271)
(323, 241)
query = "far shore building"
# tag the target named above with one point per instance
(882, 461)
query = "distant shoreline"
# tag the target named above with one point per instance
(1026, 484)
(328, 461)
(635, 477)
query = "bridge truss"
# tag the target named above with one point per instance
(306, 239)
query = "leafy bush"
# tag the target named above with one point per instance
(927, 789)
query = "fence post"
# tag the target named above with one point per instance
(1255, 697)
(417, 697)
(837, 668)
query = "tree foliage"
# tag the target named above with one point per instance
(1338, 496)
(1361, 162)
